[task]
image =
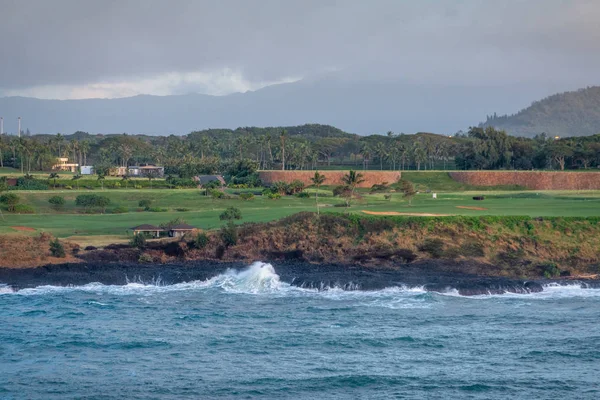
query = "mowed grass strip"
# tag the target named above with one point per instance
(203, 212)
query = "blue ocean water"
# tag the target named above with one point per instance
(248, 335)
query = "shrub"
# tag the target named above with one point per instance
(342, 191)
(280, 187)
(230, 214)
(274, 196)
(145, 204)
(11, 200)
(145, 258)
(119, 210)
(229, 234)
(91, 201)
(379, 188)
(182, 209)
(550, 270)
(246, 196)
(57, 202)
(217, 194)
(138, 241)
(157, 209)
(28, 183)
(23, 209)
(302, 195)
(405, 255)
(472, 249)
(201, 240)
(296, 186)
(136, 186)
(434, 247)
(340, 205)
(57, 249)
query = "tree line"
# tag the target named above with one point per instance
(305, 147)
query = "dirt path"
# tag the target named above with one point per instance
(23, 228)
(472, 208)
(409, 214)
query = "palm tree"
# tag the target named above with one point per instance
(54, 176)
(352, 179)
(381, 151)
(84, 148)
(126, 179)
(76, 178)
(317, 181)
(282, 137)
(365, 151)
(101, 179)
(59, 140)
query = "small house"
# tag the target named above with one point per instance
(180, 230)
(63, 164)
(204, 179)
(147, 229)
(87, 170)
(146, 170)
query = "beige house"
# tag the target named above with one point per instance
(62, 164)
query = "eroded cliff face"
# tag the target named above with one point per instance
(495, 246)
(491, 246)
(536, 180)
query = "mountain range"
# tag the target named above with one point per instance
(364, 107)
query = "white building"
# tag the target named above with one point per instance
(87, 170)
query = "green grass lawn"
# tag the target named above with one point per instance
(204, 212)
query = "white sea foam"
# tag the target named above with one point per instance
(261, 278)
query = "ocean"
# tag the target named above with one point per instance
(245, 334)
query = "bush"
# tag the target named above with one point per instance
(57, 249)
(138, 241)
(379, 188)
(23, 209)
(11, 200)
(472, 249)
(296, 186)
(217, 194)
(91, 201)
(157, 209)
(435, 247)
(68, 187)
(145, 204)
(26, 183)
(57, 202)
(280, 187)
(145, 258)
(342, 191)
(302, 195)
(246, 196)
(550, 270)
(229, 234)
(201, 240)
(230, 214)
(119, 210)
(182, 209)
(274, 196)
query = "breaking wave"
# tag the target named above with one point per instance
(261, 278)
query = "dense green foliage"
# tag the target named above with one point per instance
(92, 201)
(57, 249)
(565, 114)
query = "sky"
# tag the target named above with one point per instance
(72, 49)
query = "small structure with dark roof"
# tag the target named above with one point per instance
(180, 230)
(148, 229)
(204, 179)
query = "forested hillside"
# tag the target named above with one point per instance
(565, 114)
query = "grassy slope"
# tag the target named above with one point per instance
(204, 211)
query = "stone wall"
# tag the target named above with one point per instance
(333, 178)
(537, 180)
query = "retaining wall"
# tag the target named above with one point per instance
(333, 178)
(531, 179)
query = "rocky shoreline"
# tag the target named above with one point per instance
(432, 275)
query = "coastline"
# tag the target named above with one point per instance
(431, 275)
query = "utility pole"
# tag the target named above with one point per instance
(19, 126)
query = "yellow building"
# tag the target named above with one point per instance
(62, 164)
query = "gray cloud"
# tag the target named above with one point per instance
(151, 46)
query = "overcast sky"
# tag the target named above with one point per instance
(116, 48)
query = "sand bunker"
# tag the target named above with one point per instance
(404, 213)
(472, 208)
(23, 228)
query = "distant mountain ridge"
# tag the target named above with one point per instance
(575, 113)
(362, 107)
